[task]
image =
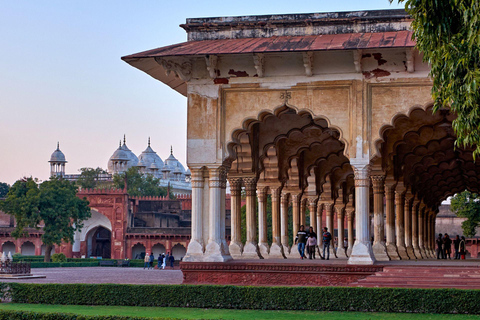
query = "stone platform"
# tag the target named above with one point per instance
(275, 273)
(21, 276)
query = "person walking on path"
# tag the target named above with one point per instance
(311, 243)
(456, 245)
(462, 248)
(439, 246)
(301, 239)
(447, 246)
(146, 261)
(311, 234)
(172, 260)
(150, 261)
(164, 261)
(159, 261)
(327, 237)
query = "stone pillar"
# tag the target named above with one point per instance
(296, 199)
(362, 250)
(340, 232)
(223, 213)
(400, 222)
(236, 245)
(408, 225)
(327, 207)
(379, 248)
(319, 230)
(284, 222)
(195, 247)
(214, 250)
(421, 222)
(276, 250)
(303, 210)
(250, 250)
(263, 246)
(390, 220)
(432, 235)
(312, 207)
(425, 224)
(351, 238)
(428, 226)
(331, 226)
(416, 248)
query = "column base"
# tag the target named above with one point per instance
(349, 251)
(225, 248)
(341, 253)
(276, 252)
(380, 251)
(214, 253)
(333, 251)
(286, 250)
(411, 253)
(417, 253)
(424, 253)
(392, 252)
(250, 251)
(361, 254)
(264, 249)
(431, 254)
(402, 252)
(235, 249)
(194, 252)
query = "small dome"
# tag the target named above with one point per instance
(141, 164)
(122, 154)
(177, 169)
(154, 166)
(149, 156)
(57, 155)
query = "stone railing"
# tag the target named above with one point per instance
(9, 267)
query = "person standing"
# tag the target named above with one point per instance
(159, 261)
(311, 243)
(447, 246)
(439, 242)
(146, 261)
(327, 237)
(301, 239)
(456, 246)
(345, 245)
(164, 261)
(172, 260)
(150, 261)
(462, 248)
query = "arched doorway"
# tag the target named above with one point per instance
(158, 249)
(44, 248)
(28, 248)
(178, 251)
(99, 243)
(8, 246)
(138, 251)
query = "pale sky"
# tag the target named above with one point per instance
(61, 77)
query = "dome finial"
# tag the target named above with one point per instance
(58, 145)
(171, 150)
(149, 141)
(120, 144)
(124, 139)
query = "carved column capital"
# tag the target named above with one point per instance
(312, 200)
(275, 191)
(235, 186)
(262, 193)
(378, 183)
(197, 177)
(362, 175)
(218, 177)
(250, 184)
(284, 199)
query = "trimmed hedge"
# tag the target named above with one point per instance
(266, 298)
(29, 315)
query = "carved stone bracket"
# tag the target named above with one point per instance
(259, 62)
(212, 61)
(308, 63)
(181, 69)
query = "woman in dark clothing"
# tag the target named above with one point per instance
(447, 246)
(462, 248)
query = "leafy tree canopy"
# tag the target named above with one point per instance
(53, 203)
(448, 34)
(467, 205)
(4, 187)
(139, 184)
(89, 177)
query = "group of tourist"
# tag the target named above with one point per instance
(308, 240)
(162, 259)
(444, 247)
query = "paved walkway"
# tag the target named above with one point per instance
(104, 275)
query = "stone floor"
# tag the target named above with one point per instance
(105, 275)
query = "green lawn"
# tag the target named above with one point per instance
(194, 313)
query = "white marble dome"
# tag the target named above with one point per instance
(122, 159)
(149, 157)
(57, 155)
(173, 168)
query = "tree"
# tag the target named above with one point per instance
(4, 187)
(53, 203)
(467, 205)
(89, 177)
(139, 184)
(447, 32)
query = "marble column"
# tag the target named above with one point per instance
(303, 210)
(214, 251)
(263, 246)
(390, 220)
(284, 222)
(330, 215)
(312, 207)
(319, 230)
(426, 221)
(327, 207)
(428, 226)
(421, 222)
(379, 247)
(250, 250)
(296, 199)
(351, 237)
(400, 222)
(408, 226)
(223, 212)
(236, 245)
(340, 231)
(362, 250)
(416, 248)
(276, 250)
(196, 245)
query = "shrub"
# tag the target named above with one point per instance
(63, 264)
(268, 298)
(59, 257)
(19, 257)
(29, 315)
